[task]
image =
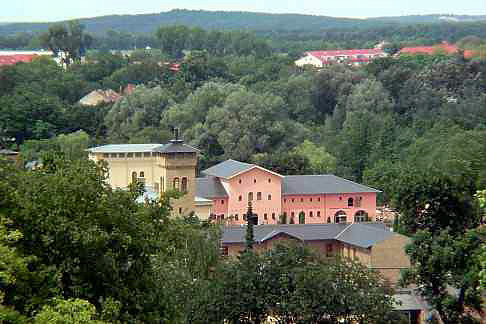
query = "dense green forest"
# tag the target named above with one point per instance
(411, 126)
(287, 33)
(146, 23)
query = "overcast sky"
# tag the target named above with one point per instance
(52, 10)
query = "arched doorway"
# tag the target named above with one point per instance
(340, 217)
(361, 216)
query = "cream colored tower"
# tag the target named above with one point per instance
(161, 167)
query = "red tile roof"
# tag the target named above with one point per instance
(446, 47)
(13, 59)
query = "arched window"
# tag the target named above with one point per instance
(175, 183)
(250, 196)
(240, 198)
(340, 217)
(301, 217)
(350, 202)
(360, 216)
(184, 185)
(269, 197)
(134, 177)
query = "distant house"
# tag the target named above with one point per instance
(370, 243)
(97, 97)
(444, 47)
(351, 57)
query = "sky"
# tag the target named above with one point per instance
(54, 10)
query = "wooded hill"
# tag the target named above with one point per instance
(145, 23)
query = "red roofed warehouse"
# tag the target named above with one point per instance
(352, 57)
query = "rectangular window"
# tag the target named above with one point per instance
(259, 196)
(310, 199)
(318, 213)
(146, 154)
(222, 202)
(269, 197)
(311, 214)
(236, 216)
(105, 155)
(224, 251)
(265, 217)
(250, 196)
(129, 155)
(121, 155)
(285, 200)
(113, 155)
(319, 199)
(240, 198)
(273, 216)
(138, 154)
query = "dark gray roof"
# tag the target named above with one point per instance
(320, 184)
(361, 235)
(177, 146)
(210, 187)
(228, 168)
(407, 300)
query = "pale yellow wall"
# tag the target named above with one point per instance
(157, 168)
(389, 257)
(203, 211)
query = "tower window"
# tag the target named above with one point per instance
(184, 184)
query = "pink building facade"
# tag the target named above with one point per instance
(306, 199)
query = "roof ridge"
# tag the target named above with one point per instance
(344, 230)
(356, 183)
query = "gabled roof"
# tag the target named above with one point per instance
(230, 168)
(174, 146)
(321, 184)
(210, 187)
(97, 97)
(363, 235)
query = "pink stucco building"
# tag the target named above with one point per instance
(309, 199)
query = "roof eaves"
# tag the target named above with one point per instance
(253, 166)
